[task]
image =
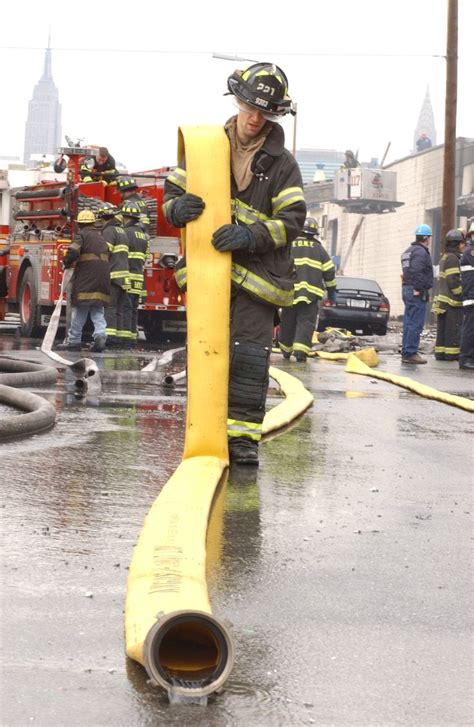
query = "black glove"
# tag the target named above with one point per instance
(233, 237)
(185, 209)
(332, 295)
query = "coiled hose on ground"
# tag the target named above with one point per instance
(39, 414)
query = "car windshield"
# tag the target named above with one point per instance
(358, 284)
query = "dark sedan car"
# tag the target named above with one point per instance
(360, 306)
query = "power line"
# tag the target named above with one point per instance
(153, 51)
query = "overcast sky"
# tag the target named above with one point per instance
(129, 74)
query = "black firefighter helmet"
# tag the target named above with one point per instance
(454, 237)
(263, 86)
(311, 228)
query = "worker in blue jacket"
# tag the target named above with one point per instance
(417, 281)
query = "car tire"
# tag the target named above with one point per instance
(379, 330)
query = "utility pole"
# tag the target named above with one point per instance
(449, 173)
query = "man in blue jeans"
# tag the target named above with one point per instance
(90, 282)
(417, 281)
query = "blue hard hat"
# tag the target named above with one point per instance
(423, 231)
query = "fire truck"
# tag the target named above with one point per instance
(42, 224)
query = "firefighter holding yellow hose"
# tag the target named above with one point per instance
(268, 212)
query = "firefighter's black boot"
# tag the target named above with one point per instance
(243, 450)
(99, 344)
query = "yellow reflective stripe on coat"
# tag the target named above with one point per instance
(328, 265)
(93, 296)
(449, 271)
(330, 283)
(449, 301)
(137, 255)
(118, 274)
(277, 231)
(286, 197)
(244, 213)
(302, 299)
(261, 288)
(117, 248)
(299, 261)
(252, 283)
(180, 277)
(178, 178)
(244, 429)
(310, 288)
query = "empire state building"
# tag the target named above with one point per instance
(43, 125)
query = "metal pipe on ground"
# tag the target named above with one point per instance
(170, 380)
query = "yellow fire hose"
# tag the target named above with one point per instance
(356, 366)
(189, 651)
(168, 623)
(368, 355)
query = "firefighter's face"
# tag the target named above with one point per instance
(250, 122)
(100, 159)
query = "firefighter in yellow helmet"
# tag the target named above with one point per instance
(268, 213)
(90, 283)
(128, 189)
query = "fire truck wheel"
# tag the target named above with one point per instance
(153, 334)
(29, 305)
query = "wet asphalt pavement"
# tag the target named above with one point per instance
(344, 563)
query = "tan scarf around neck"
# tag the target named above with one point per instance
(242, 154)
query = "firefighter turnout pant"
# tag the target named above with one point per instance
(134, 301)
(467, 336)
(448, 334)
(251, 329)
(297, 327)
(118, 316)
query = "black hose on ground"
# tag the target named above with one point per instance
(26, 373)
(40, 414)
